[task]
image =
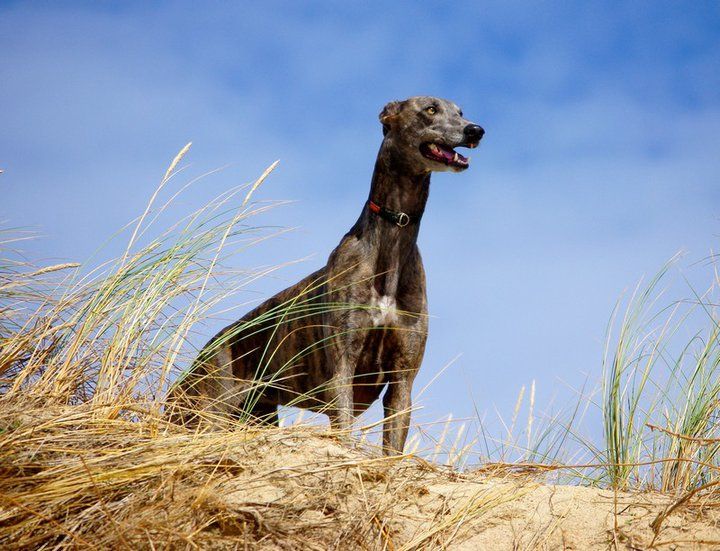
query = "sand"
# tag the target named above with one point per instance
(71, 480)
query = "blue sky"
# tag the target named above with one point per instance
(601, 158)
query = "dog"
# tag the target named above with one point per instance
(335, 340)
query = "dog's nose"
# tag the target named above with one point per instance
(473, 132)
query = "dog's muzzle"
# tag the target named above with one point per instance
(443, 153)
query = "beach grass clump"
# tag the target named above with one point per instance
(661, 391)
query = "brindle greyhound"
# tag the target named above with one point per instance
(336, 339)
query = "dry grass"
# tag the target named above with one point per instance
(87, 459)
(72, 480)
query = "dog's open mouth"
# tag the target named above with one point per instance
(444, 154)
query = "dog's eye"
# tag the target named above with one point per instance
(431, 110)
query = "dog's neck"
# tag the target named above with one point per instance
(396, 188)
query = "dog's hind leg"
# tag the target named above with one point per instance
(210, 390)
(265, 413)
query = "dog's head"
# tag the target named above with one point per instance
(424, 131)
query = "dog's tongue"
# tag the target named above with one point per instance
(450, 155)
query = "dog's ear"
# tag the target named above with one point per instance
(389, 114)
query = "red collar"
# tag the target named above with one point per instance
(398, 218)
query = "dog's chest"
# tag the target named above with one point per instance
(383, 309)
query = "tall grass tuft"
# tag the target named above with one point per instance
(113, 336)
(660, 388)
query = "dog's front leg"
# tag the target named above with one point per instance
(341, 410)
(397, 402)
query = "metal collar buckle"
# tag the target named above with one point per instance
(402, 219)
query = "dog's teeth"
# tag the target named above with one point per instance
(433, 148)
(455, 158)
